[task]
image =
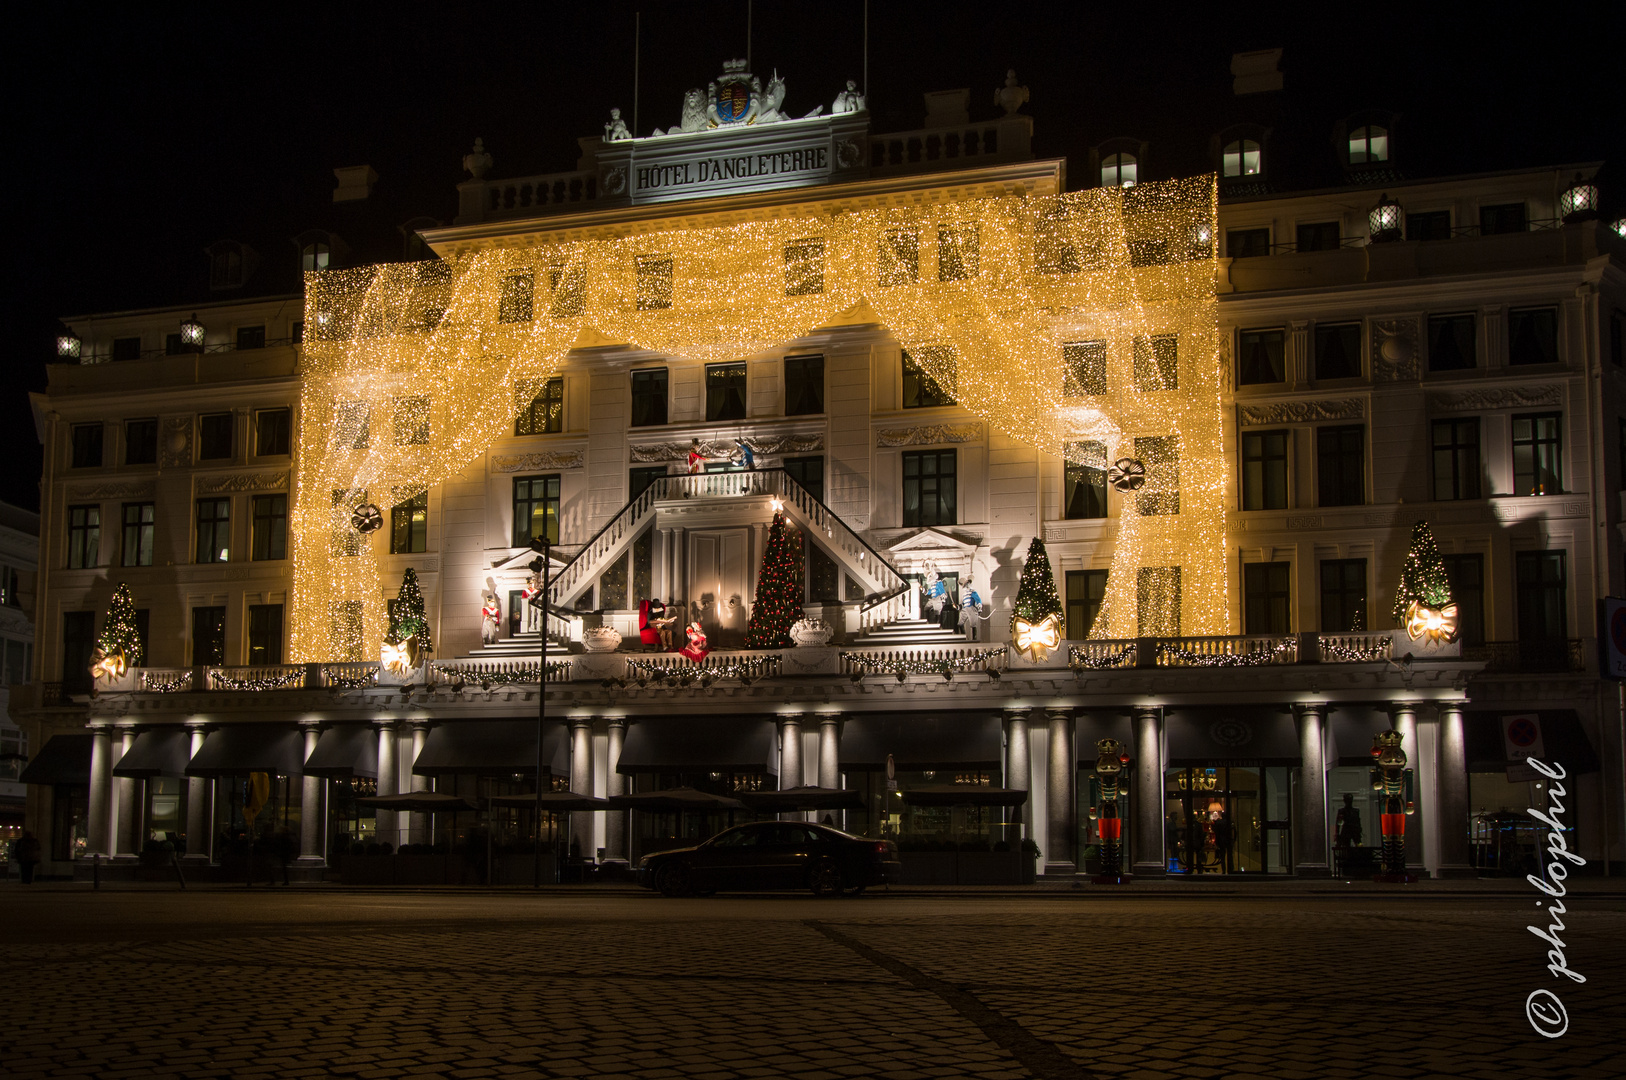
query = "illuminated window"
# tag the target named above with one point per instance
(514, 298)
(214, 530)
(1241, 158)
(1538, 454)
(409, 525)
(1084, 485)
(1368, 144)
(314, 257)
(1118, 170)
(543, 413)
(958, 253)
(138, 534)
(804, 267)
(898, 257)
(536, 508)
(920, 390)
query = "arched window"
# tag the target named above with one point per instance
(1241, 158)
(1367, 144)
(1118, 170)
(314, 256)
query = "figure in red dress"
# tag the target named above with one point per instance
(697, 648)
(697, 460)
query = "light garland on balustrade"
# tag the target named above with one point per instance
(745, 670)
(521, 673)
(219, 680)
(410, 371)
(337, 678)
(1347, 655)
(903, 667)
(1079, 658)
(152, 684)
(1192, 658)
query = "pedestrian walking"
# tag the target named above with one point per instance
(26, 850)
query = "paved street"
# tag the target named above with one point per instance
(246, 984)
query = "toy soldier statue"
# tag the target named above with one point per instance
(1106, 810)
(1391, 777)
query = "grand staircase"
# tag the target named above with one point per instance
(908, 632)
(520, 649)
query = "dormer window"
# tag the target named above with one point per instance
(1368, 145)
(314, 257)
(226, 267)
(1119, 170)
(1241, 157)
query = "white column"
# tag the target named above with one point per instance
(790, 757)
(387, 753)
(1310, 830)
(1060, 798)
(1146, 794)
(615, 821)
(1451, 783)
(1403, 718)
(1018, 767)
(419, 828)
(829, 751)
(128, 813)
(312, 814)
(199, 822)
(581, 782)
(99, 827)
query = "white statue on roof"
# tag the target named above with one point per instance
(849, 100)
(616, 129)
(737, 99)
(1011, 97)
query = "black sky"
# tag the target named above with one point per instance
(140, 133)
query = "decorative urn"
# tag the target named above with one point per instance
(811, 633)
(601, 639)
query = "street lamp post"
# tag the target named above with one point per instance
(544, 566)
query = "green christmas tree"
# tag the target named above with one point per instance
(119, 634)
(1422, 578)
(1036, 594)
(779, 590)
(407, 618)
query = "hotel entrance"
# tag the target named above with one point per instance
(1228, 819)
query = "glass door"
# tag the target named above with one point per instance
(1228, 819)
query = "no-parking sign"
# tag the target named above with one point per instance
(1612, 638)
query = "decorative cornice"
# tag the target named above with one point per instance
(545, 459)
(1299, 412)
(928, 433)
(114, 489)
(760, 446)
(260, 481)
(1496, 397)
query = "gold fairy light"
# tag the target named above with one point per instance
(411, 371)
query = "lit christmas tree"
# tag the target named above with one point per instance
(1423, 600)
(119, 635)
(409, 620)
(1037, 619)
(779, 590)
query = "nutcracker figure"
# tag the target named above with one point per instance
(490, 617)
(1391, 777)
(1106, 809)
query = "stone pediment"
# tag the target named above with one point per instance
(930, 542)
(521, 563)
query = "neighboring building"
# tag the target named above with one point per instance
(1389, 350)
(19, 562)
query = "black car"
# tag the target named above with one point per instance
(774, 855)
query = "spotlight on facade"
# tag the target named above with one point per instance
(1385, 220)
(68, 346)
(1579, 201)
(192, 334)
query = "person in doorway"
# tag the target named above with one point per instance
(26, 850)
(1224, 835)
(1347, 826)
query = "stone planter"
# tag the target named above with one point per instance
(601, 639)
(812, 633)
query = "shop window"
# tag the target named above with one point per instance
(1466, 573)
(1456, 459)
(1084, 482)
(208, 636)
(536, 508)
(1247, 243)
(1084, 368)
(1341, 465)
(804, 267)
(1538, 454)
(1317, 236)
(1264, 470)
(270, 539)
(87, 446)
(84, 536)
(1161, 456)
(139, 523)
(515, 297)
(1338, 351)
(804, 385)
(544, 412)
(1502, 218)
(1157, 598)
(1086, 590)
(1261, 357)
(1428, 225)
(1532, 336)
(808, 472)
(929, 487)
(1343, 596)
(214, 436)
(959, 256)
(409, 525)
(649, 397)
(264, 634)
(725, 392)
(1157, 363)
(1451, 342)
(214, 530)
(920, 390)
(1266, 607)
(654, 283)
(273, 432)
(250, 337)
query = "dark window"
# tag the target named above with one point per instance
(655, 283)
(1466, 573)
(411, 421)
(822, 575)
(514, 298)
(804, 385)
(543, 414)
(84, 536)
(138, 534)
(920, 390)
(897, 257)
(1247, 243)
(1261, 357)
(409, 525)
(808, 472)
(1505, 218)
(1054, 251)
(569, 285)
(250, 337)
(127, 348)
(273, 431)
(649, 397)
(355, 427)
(270, 527)
(929, 487)
(87, 446)
(1543, 608)
(958, 252)
(214, 436)
(1451, 342)
(804, 267)
(1161, 456)
(208, 636)
(725, 392)
(296, 330)
(536, 508)
(78, 643)
(1429, 225)
(1086, 589)
(143, 621)
(1084, 485)
(1338, 351)
(1341, 465)
(1343, 596)
(174, 346)
(265, 634)
(1148, 252)
(140, 442)
(1538, 456)
(643, 566)
(214, 530)
(612, 586)
(1532, 336)
(640, 480)
(1264, 470)
(1157, 363)
(1266, 599)
(1318, 236)
(1084, 368)
(1456, 459)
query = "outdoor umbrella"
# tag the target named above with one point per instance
(555, 802)
(963, 795)
(804, 798)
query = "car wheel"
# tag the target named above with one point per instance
(674, 880)
(825, 879)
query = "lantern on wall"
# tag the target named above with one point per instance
(1579, 201)
(68, 346)
(1385, 220)
(192, 334)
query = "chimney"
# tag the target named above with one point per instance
(355, 183)
(1256, 72)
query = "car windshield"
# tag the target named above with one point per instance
(744, 836)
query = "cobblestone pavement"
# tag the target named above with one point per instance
(306, 983)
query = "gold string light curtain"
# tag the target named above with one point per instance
(1083, 324)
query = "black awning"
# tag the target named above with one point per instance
(64, 759)
(240, 749)
(492, 748)
(1353, 729)
(947, 741)
(159, 751)
(1200, 734)
(696, 743)
(1564, 741)
(343, 751)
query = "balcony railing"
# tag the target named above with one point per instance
(1562, 655)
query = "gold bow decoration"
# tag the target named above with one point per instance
(1037, 639)
(109, 666)
(399, 657)
(1437, 624)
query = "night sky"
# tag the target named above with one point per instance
(138, 134)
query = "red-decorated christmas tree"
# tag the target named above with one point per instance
(779, 590)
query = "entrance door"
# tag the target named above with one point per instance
(1228, 819)
(719, 581)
